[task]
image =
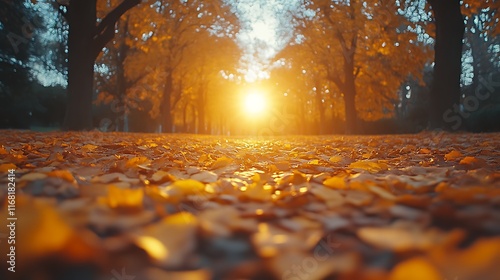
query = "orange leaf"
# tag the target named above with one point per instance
(62, 174)
(7, 166)
(415, 269)
(453, 155)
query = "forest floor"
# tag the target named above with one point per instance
(121, 206)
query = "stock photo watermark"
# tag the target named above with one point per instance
(27, 31)
(11, 220)
(279, 120)
(121, 275)
(471, 103)
(321, 253)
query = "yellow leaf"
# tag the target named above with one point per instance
(125, 199)
(42, 230)
(188, 186)
(314, 162)
(335, 159)
(370, 166)
(133, 162)
(257, 191)
(181, 218)
(221, 162)
(335, 183)
(203, 158)
(171, 241)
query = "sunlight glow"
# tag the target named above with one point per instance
(255, 102)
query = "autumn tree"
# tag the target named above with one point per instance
(164, 35)
(116, 85)
(482, 35)
(449, 20)
(366, 51)
(87, 36)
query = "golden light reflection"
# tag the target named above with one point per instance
(153, 246)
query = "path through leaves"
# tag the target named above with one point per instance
(146, 206)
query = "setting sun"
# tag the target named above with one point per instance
(255, 102)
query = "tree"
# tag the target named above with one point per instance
(86, 39)
(115, 84)
(481, 35)
(17, 28)
(445, 91)
(366, 50)
(170, 28)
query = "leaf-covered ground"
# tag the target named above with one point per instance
(145, 206)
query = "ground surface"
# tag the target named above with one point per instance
(143, 206)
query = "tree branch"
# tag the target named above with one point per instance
(105, 31)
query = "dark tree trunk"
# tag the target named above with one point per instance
(166, 106)
(351, 116)
(81, 20)
(445, 92)
(85, 42)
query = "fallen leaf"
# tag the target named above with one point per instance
(221, 162)
(170, 241)
(205, 176)
(453, 155)
(335, 183)
(5, 167)
(416, 268)
(369, 165)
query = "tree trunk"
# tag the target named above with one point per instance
(349, 90)
(321, 109)
(445, 92)
(201, 110)
(85, 42)
(166, 110)
(81, 20)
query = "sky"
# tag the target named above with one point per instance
(265, 30)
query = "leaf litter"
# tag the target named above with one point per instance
(201, 207)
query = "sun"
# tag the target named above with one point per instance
(255, 102)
